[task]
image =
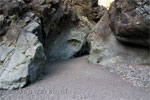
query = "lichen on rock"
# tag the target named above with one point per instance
(22, 54)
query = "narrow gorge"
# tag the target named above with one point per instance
(115, 34)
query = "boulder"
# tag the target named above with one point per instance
(105, 49)
(22, 54)
(130, 21)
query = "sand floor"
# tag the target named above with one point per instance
(76, 79)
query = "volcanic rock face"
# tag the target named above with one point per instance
(69, 26)
(130, 21)
(120, 41)
(22, 55)
(125, 23)
(33, 30)
(106, 50)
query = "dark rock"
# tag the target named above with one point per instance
(4, 25)
(27, 1)
(68, 26)
(9, 8)
(130, 21)
(106, 50)
(60, 26)
(22, 55)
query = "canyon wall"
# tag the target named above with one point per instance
(33, 32)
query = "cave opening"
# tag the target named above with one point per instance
(68, 27)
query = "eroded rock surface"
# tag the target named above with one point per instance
(33, 30)
(105, 49)
(120, 42)
(22, 55)
(69, 26)
(130, 21)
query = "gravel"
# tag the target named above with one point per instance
(139, 75)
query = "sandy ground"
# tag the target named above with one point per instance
(76, 79)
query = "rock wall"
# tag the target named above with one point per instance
(35, 31)
(119, 42)
(68, 28)
(22, 55)
(106, 50)
(126, 21)
(130, 21)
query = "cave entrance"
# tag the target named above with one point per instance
(69, 26)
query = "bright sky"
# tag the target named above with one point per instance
(105, 3)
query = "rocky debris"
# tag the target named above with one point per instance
(22, 54)
(130, 21)
(138, 75)
(106, 50)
